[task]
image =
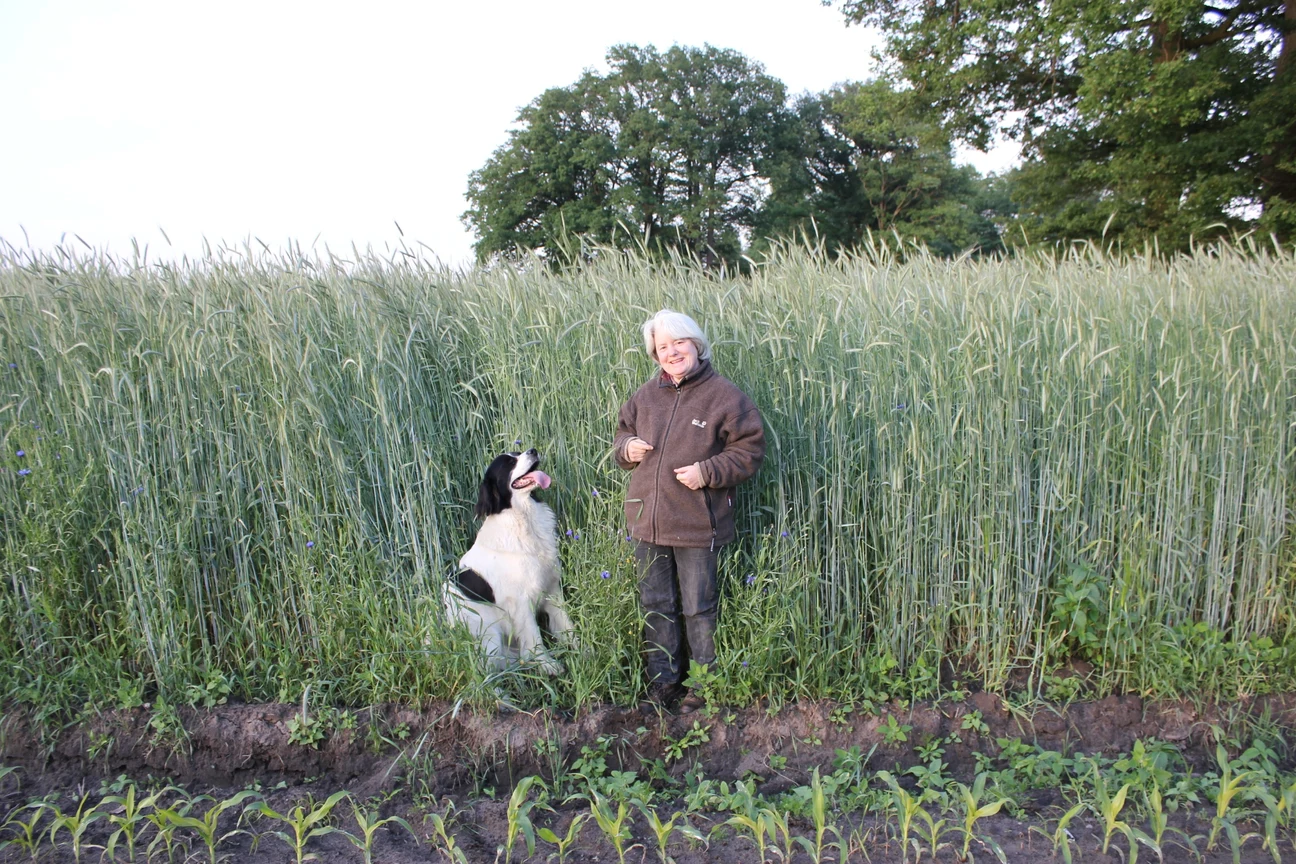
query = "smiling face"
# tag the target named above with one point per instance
(677, 357)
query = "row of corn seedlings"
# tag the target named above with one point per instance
(847, 813)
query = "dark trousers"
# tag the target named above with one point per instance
(675, 580)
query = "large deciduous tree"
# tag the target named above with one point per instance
(876, 160)
(668, 148)
(1168, 118)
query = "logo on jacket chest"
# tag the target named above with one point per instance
(701, 424)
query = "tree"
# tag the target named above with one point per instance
(876, 160)
(669, 149)
(1169, 118)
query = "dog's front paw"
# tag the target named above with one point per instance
(550, 666)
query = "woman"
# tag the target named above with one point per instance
(689, 436)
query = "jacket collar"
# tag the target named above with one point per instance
(697, 376)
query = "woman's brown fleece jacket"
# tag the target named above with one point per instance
(704, 419)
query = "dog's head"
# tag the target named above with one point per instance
(509, 475)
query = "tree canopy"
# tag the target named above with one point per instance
(1169, 118)
(669, 147)
(699, 150)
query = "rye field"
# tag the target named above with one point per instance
(246, 476)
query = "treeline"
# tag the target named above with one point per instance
(1137, 125)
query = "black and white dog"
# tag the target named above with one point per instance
(512, 570)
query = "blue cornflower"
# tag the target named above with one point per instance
(569, 532)
(784, 534)
(595, 491)
(577, 537)
(744, 664)
(605, 574)
(518, 442)
(23, 472)
(310, 544)
(13, 365)
(901, 406)
(22, 453)
(751, 579)
(628, 538)
(137, 490)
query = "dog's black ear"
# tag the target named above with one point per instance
(495, 495)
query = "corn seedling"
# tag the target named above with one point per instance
(758, 822)
(1108, 808)
(819, 813)
(74, 823)
(128, 820)
(163, 820)
(564, 843)
(1061, 837)
(305, 823)
(443, 837)
(207, 826)
(615, 828)
(906, 806)
(519, 816)
(933, 831)
(28, 832)
(973, 811)
(369, 822)
(780, 828)
(1230, 786)
(662, 831)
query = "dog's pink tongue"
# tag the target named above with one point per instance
(541, 478)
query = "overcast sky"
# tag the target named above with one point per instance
(321, 123)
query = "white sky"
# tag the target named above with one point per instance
(318, 122)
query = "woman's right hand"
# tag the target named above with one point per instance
(636, 449)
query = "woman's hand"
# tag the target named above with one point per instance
(690, 476)
(636, 449)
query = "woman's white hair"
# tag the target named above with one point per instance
(674, 325)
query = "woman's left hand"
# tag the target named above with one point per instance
(690, 476)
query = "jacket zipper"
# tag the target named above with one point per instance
(657, 478)
(711, 516)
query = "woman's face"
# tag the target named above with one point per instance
(677, 357)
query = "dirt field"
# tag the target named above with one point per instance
(412, 763)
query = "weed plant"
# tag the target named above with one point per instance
(247, 474)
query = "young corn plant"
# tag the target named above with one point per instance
(207, 826)
(306, 823)
(75, 824)
(1061, 837)
(28, 833)
(564, 843)
(1108, 808)
(973, 811)
(1230, 786)
(907, 807)
(780, 827)
(163, 820)
(758, 823)
(444, 837)
(129, 819)
(819, 813)
(615, 828)
(662, 831)
(369, 823)
(519, 816)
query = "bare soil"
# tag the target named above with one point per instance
(416, 761)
